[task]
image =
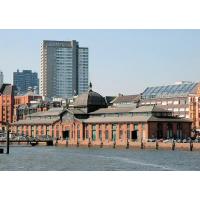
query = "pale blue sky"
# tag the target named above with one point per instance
(121, 61)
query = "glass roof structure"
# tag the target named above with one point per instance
(179, 90)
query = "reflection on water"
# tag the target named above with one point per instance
(83, 159)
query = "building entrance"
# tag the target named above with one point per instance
(134, 135)
(66, 134)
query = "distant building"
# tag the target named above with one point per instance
(1, 78)
(7, 92)
(181, 98)
(25, 80)
(64, 69)
(26, 102)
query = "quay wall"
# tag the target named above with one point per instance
(131, 145)
(118, 145)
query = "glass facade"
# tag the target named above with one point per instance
(168, 91)
(25, 79)
(64, 69)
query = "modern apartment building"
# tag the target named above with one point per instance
(1, 78)
(64, 69)
(25, 80)
(182, 98)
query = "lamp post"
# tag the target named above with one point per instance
(8, 139)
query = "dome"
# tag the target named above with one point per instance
(88, 99)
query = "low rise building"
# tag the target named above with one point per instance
(25, 104)
(90, 120)
(182, 98)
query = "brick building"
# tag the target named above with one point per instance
(7, 92)
(91, 120)
(25, 104)
(182, 98)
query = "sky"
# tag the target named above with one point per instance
(120, 61)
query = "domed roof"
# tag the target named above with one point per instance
(89, 98)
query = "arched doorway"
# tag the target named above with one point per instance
(65, 134)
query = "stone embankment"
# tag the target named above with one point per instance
(133, 145)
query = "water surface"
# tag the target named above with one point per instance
(96, 159)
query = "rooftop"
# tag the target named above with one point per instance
(89, 98)
(112, 110)
(170, 90)
(127, 119)
(149, 108)
(126, 99)
(50, 112)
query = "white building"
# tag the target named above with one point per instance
(64, 69)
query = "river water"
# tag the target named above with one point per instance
(96, 159)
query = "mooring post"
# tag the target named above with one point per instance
(127, 144)
(101, 145)
(114, 145)
(191, 145)
(77, 143)
(157, 145)
(67, 142)
(173, 145)
(142, 144)
(89, 143)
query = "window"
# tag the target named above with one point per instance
(114, 128)
(106, 134)
(78, 134)
(176, 102)
(169, 102)
(143, 126)
(93, 132)
(182, 109)
(128, 134)
(135, 126)
(175, 109)
(87, 134)
(100, 135)
(47, 130)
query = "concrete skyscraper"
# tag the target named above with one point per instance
(64, 69)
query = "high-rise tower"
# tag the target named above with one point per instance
(64, 69)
